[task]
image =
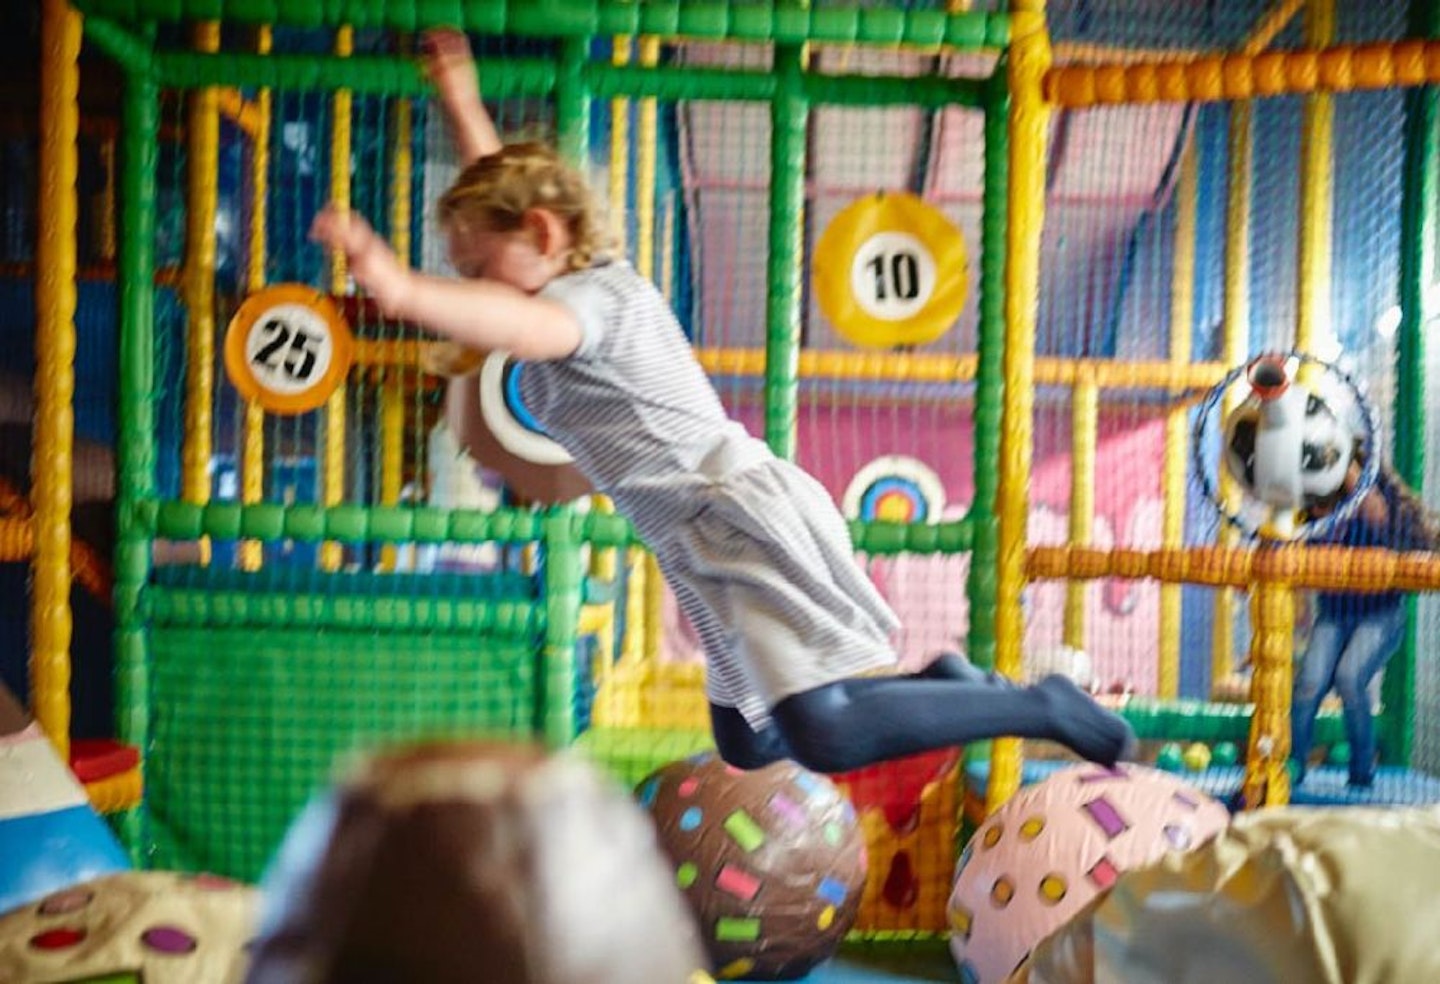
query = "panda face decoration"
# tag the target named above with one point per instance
(1325, 451)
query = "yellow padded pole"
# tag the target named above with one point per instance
(646, 149)
(1177, 431)
(1029, 118)
(392, 388)
(1084, 432)
(1312, 302)
(203, 165)
(1235, 341)
(333, 463)
(1272, 622)
(52, 467)
(252, 455)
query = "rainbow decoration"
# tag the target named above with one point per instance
(895, 488)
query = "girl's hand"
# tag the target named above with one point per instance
(451, 66)
(449, 359)
(372, 262)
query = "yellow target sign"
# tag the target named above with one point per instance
(288, 348)
(891, 270)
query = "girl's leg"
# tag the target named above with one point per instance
(1371, 645)
(854, 723)
(1312, 683)
(953, 666)
(741, 745)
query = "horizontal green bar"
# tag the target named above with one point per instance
(786, 22)
(1195, 720)
(346, 524)
(228, 609)
(270, 522)
(888, 539)
(537, 77)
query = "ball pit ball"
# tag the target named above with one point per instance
(1056, 845)
(1226, 753)
(1171, 758)
(1197, 757)
(771, 861)
(1339, 753)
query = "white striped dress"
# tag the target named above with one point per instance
(758, 556)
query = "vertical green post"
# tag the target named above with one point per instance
(1417, 270)
(789, 118)
(572, 101)
(555, 676)
(989, 376)
(136, 445)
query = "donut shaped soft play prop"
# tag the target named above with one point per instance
(772, 861)
(1058, 844)
(505, 413)
(156, 927)
(492, 424)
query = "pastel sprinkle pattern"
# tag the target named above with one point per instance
(788, 810)
(772, 861)
(743, 828)
(738, 883)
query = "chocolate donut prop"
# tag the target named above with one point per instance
(772, 862)
(474, 862)
(491, 423)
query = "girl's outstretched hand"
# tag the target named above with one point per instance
(451, 66)
(372, 262)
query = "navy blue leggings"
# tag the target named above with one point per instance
(857, 722)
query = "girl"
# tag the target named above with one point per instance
(757, 554)
(1355, 635)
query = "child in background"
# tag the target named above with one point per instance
(757, 554)
(1355, 634)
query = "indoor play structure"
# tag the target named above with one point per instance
(975, 265)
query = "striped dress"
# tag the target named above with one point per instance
(758, 556)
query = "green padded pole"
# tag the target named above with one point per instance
(1417, 270)
(789, 118)
(555, 677)
(572, 101)
(133, 54)
(135, 448)
(989, 378)
(783, 22)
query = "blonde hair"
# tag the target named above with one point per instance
(497, 190)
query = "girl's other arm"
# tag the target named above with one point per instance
(451, 67)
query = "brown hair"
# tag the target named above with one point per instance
(1414, 521)
(497, 190)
